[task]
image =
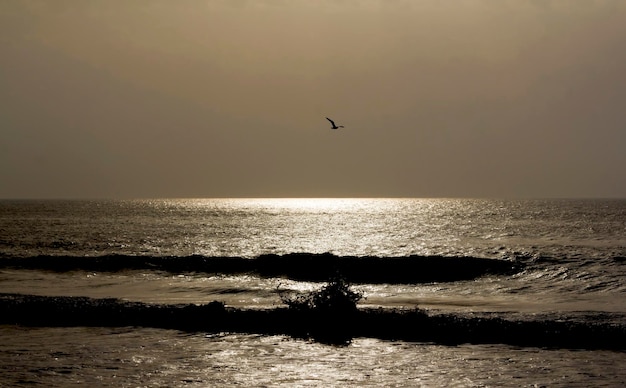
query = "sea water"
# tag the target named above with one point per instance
(573, 252)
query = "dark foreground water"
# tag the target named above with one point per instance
(130, 357)
(551, 260)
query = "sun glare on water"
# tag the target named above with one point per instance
(309, 204)
(317, 204)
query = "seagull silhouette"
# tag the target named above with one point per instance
(333, 123)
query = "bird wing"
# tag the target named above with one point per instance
(332, 122)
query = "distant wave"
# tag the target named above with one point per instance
(409, 325)
(297, 266)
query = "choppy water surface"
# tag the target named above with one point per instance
(360, 227)
(573, 251)
(127, 357)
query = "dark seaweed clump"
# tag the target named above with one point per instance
(335, 297)
(329, 311)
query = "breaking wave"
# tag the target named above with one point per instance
(391, 324)
(296, 266)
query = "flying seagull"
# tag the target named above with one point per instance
(333, 123)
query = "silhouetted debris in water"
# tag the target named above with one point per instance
(328, 312)
(331, 325)
(336, 296)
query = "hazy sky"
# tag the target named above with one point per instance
(202, 98)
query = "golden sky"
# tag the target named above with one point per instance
(203, 98)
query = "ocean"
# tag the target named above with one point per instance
(546, 260)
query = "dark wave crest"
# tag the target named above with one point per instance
(409, 325)
(297, 266)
